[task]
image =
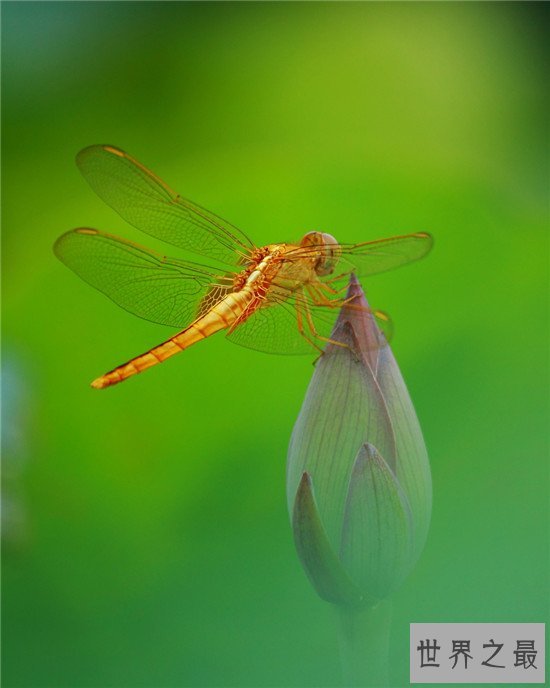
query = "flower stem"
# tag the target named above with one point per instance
(364, 644)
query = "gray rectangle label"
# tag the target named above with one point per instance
(477, 652)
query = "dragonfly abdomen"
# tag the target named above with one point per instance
(221, 316)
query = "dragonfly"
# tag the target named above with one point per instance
(278, 298)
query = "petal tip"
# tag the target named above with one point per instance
(320, 563)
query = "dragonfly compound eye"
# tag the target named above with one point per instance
(312, 239)
(330, 253)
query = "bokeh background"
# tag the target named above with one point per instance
(146, 538)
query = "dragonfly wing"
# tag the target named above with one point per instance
(164, 290)
(272, 329)
(293, 323)
(372, 257)
(146, 202)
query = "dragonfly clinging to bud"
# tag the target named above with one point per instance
(278, 298)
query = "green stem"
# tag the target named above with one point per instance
(365, 644)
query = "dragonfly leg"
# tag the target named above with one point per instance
(335, 278)
(321, 300)
(314, 332)
(330, 340)
(325, 286)
(301, 330)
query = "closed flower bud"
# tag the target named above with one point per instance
(358, 477)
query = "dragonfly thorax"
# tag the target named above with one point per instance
(326, 251)
(259, 268)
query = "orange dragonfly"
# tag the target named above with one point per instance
(278, 298)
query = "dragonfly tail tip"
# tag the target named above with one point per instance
(99, 383)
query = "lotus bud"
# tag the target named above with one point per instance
(358, 477)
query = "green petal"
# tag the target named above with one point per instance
(377, 534)
(320, 563)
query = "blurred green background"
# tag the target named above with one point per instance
(146, 538)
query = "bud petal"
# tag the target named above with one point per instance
(321, 564)
(412, 469)
(377, 534)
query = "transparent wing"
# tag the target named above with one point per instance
(272, 329)
(146, 202)
(295, 324)
(374, 257)
(164, 290)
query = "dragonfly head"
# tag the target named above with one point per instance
(327, 253)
